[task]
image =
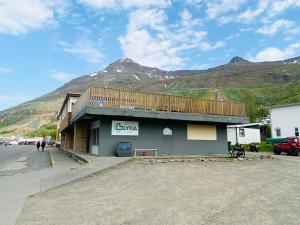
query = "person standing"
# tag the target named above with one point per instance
(43, 145)
(38, 144)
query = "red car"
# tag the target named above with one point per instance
(290, 145)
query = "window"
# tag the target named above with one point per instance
(285, 140)
(242, 132)
(278, 132)
(201, 132)
(296, 131)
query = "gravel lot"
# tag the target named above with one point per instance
(264, 192)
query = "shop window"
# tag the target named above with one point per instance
(242, 132)
(278, 132)
(201, 132)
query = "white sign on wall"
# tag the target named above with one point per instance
(127, 128)
(167, 131)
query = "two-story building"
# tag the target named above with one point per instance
(285, 120)
(176, 125)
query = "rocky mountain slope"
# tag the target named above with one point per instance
(239, 74)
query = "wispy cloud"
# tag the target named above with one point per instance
(251, 14)
(60, 76)
(216, 8)
(11, 99)
(271, 29)
(279, 6)
(124, 4)
(85, 49)
(4, 70)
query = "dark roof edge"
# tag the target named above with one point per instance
(287, 105)
(138, 113)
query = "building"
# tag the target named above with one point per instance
(102, 117)
(244, 133)
(285, 120)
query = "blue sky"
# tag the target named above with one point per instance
(45, 43)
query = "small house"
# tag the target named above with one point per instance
(285, 120)
(244, 133)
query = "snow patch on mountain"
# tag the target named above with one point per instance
(93, 74)
(136, 77)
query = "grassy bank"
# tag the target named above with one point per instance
(44, 131)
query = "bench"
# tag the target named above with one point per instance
(145, 149)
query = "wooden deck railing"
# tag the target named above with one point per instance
(118, 98)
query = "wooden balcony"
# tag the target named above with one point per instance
(130, 99)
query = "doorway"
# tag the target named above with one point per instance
(94, 138)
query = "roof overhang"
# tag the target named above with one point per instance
(69, 95)
(138, 113)
(250, 125)
(282, 106)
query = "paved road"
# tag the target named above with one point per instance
(21, 159)
(262, 191)
(24, 172)
(20, 172)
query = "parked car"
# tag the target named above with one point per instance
(289, 145)
(13, 142)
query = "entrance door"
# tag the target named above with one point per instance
(94, 147)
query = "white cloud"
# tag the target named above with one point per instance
(20, 16)
(216, 8)
(60, 76)
(140, 45)
(83, 48)
(274, 54)
(205, 46)
(117, 4)
(150, 41)
(194, 2)
(226, 11)
(99, 4)
(250, 15)
(143, 3)
(273, 28)
(279, 6)
(4, 70)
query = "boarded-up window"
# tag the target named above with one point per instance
(201, 132)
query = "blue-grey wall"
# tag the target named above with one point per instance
(151, 136)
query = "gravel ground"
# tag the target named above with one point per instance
(264, 192)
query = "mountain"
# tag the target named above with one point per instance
(227, 81)
(237, 59)
(292, 60)
(238, 73)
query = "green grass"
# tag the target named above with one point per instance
(44, 131)
(193, 92)
(7, 131)
(263, 147)
(258, 100)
